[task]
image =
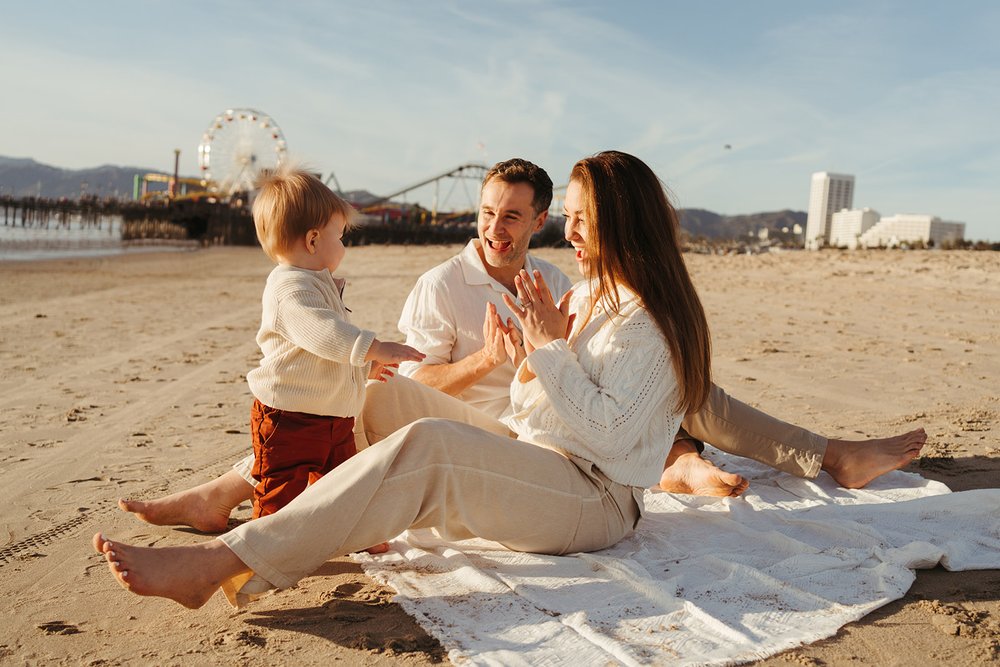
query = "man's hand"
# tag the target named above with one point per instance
(494, 353)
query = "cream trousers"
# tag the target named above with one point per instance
(724, 422)
(463, 479)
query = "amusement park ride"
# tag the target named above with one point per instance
(241, 143)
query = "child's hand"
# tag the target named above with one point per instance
(392, 353)
(382, 372)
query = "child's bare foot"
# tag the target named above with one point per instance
(853, 464)
(378, 548)
(205, 507)
(188, 575)
(686, 471)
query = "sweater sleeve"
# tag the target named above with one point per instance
(309, 323)
(609, 414)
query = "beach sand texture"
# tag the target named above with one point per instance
(126, 377)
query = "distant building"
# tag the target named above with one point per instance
(848, 225)
(909, 228)
(828, 193)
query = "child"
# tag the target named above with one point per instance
(311, 380)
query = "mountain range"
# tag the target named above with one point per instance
(24, 177)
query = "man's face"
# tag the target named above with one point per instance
(507, 220)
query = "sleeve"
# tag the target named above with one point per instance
(428, 325)
(305, 319)
(609, 416)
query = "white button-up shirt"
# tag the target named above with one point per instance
(443, 318)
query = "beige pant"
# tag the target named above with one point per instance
(736, 428)
(464, 480)
(724, 422)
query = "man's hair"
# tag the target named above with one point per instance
(291, 201)
(517, 170)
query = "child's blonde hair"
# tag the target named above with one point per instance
(290, 202)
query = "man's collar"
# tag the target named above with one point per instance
(474, 271)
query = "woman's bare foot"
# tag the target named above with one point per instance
(687, 472)
(205, 507)
(188, 575)
(853, 464)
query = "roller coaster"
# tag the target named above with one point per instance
(459, 175)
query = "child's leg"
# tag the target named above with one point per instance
(342, 445)
(291, 450)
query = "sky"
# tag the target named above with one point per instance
(903, 94)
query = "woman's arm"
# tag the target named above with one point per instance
(609, 413)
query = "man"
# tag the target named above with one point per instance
(451, 316)
(451, 313)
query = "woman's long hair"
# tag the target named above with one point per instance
(633, 239)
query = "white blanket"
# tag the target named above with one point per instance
(702, 581)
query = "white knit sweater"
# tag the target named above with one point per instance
(314, 358)
(608, 399)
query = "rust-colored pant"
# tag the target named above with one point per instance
(291, 450)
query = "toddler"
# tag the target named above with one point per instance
(310, 383)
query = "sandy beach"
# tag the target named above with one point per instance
(125, 376)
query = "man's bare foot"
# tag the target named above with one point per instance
(855, 463)
(187, 575)
(687, 472)
(205, 507)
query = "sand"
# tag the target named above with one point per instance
(125, 377)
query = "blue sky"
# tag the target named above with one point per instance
(903, 94)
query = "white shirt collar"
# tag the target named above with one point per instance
(475, 273)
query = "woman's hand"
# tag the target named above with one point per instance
(513, 342)
(542, 320)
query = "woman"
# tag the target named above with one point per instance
(596, 396)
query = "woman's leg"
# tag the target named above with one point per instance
(461, 480)
(388, 407)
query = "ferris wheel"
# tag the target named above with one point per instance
(236, 147)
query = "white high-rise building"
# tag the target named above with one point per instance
(828, 193)
(848, 225)
(901, 228)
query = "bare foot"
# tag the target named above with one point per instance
(378, 548)
(853, 464)
(187, 575)
(687, 472)
(205, 507)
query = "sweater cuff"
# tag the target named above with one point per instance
(549, 357)
(361, 347)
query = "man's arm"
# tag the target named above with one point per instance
(454, 378)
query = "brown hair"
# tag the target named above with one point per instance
(517, 170)
(290, 202)
(633, 236)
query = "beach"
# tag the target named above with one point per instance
(125, 376)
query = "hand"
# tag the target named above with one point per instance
(542, 320)
(513, 342)
(493, 353)
(381, 372)
(392, 353)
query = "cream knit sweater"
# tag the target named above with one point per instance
(608, 399)
(314, 358)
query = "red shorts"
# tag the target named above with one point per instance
(291, 450)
